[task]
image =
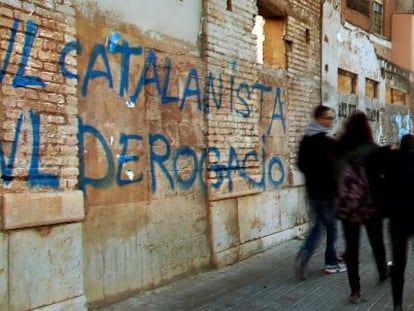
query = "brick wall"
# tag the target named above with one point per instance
(41, 208)
(38, 103)
(230, 48)
(229, 44)
(303, 62)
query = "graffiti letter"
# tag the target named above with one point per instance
(246, 112)
(234, 166)
(160, 159)
(278, 162)
(126, 53)
(124, 159)
(262, 88)
(9, 49)
(150, 62)
(20, 80)
(232, 78)
(167, 99)
(7, 169)
(201, 170)
(218, 168)
(67, 49)
(185, 152)
(252, 154)
(99, 50)
(35, 177)
(277, 102)
(106, 180)
(210, 85)
(188, 92)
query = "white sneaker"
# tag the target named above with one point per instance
(332, 269)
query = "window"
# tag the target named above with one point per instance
(396, 97)
(362, 6)
(271, 45)
(347, 82)
(229, 5)
(274, 51)
(371, 88)
(378, 18)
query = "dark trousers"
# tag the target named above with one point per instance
(400, 231)
(352, 232)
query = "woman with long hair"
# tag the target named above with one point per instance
(356, 143)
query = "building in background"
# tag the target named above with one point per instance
(140, 147)
(366, 63)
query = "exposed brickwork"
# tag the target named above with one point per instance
(54, 102)
(229, 40)
(230, 48)
(303, 66)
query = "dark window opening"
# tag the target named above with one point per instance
(229, 5)
(307, 36)
(270, 31)
(362, 6)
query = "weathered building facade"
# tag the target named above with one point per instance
(366, 67)
(142, 141)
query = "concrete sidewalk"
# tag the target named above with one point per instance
(266, 282)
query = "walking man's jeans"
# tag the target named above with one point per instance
(322, 216)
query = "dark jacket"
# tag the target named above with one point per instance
(401, 185)
(316, 162)
(378, 166)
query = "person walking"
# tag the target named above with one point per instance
(316, 162)
(355, 145)
(401, 213)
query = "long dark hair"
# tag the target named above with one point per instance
(357, 131)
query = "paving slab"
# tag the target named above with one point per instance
(266, 282)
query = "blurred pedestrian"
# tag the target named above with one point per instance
(316, 162)
(401, 212)
(354, 145)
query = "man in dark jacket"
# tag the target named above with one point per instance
(316, 161)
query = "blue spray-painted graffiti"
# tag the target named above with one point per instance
(235, 165)
(20, 79)
(402, 122)
(149, 75)
(156, 160)
(239, 94)
(35, 177)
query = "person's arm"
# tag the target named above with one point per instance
(303, 157)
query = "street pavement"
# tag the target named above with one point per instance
(266, 282)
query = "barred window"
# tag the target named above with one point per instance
(362, 6)
(378, 18)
